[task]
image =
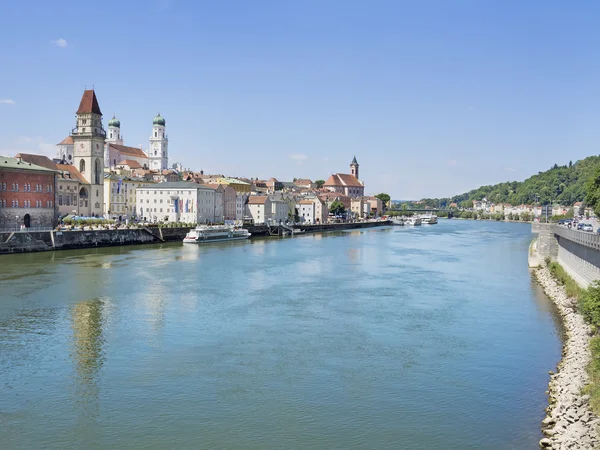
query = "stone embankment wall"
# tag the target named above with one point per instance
(20, 242)
(569, 423)
(578, 252)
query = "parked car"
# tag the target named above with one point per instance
(587, 227)
(580, 225)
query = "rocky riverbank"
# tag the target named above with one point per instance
(569, 423)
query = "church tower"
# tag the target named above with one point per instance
(158, 153)
(354, 168)
(114, 131)
(88, 154)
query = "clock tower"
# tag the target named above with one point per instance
(88, 154)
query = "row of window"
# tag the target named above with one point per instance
(26, 204)
(26, 187)
(67, 200)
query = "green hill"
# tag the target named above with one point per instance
(560, 184)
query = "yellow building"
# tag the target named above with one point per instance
(241, 187)
(120, 196)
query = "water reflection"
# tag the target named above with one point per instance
(87, 321)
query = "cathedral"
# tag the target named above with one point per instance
(157, 157)
(116, 153)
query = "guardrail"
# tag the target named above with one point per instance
(586, 238)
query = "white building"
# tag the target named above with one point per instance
(259, 208)
(306, 211)
(180, 201)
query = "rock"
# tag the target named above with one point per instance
(548, 421)
(545, 443)
(549, 432)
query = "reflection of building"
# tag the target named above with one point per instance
(88, 354)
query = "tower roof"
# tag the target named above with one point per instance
(159, 120)
(114, 122)
(354, 161)
(89, 103)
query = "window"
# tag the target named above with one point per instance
(82, 166)
(60, 200)
(50, 203)
(16, 203)
(155, 135)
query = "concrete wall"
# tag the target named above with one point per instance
(578, 252)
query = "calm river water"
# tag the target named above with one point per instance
(404, 338)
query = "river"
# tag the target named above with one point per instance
(431, 337)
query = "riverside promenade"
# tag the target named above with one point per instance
(37, 241)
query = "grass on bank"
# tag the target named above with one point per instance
(588, 301)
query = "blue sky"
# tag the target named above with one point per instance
(433, 97)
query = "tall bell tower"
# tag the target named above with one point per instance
(88, 154)
(354, 168)
(158, 153)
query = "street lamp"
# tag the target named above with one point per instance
(16, 223)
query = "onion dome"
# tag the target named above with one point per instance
(159, 120)
(114, 122)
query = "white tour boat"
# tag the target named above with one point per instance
(414, 221)
(398, 221)
(429, 219)
(215, 233)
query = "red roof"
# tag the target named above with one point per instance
(75, 174)
(89, 103)
(38, 160)
(257, 199)
(131, 151)
(66, 141)
(343, 179)
(131, 163)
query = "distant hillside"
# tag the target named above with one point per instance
(562, 184)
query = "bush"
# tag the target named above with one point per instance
(589, 304)
(572, 289)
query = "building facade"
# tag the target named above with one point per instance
(26, 194)
(181, 201)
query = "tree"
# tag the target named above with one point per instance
(592, 188)
(385, 199)
(320, 183)
(337, 208)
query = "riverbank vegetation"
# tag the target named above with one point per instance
(560, 184)
(588, 301)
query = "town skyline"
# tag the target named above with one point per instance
(450, 92)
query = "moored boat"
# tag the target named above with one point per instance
(429, 219)
(398, 221)
(215, 233)
(414, 221)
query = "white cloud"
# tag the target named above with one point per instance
(452, 162)
(298, 156)
(35, 145)
(60, 42)
(7, 101)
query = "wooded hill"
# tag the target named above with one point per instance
(560, 184)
